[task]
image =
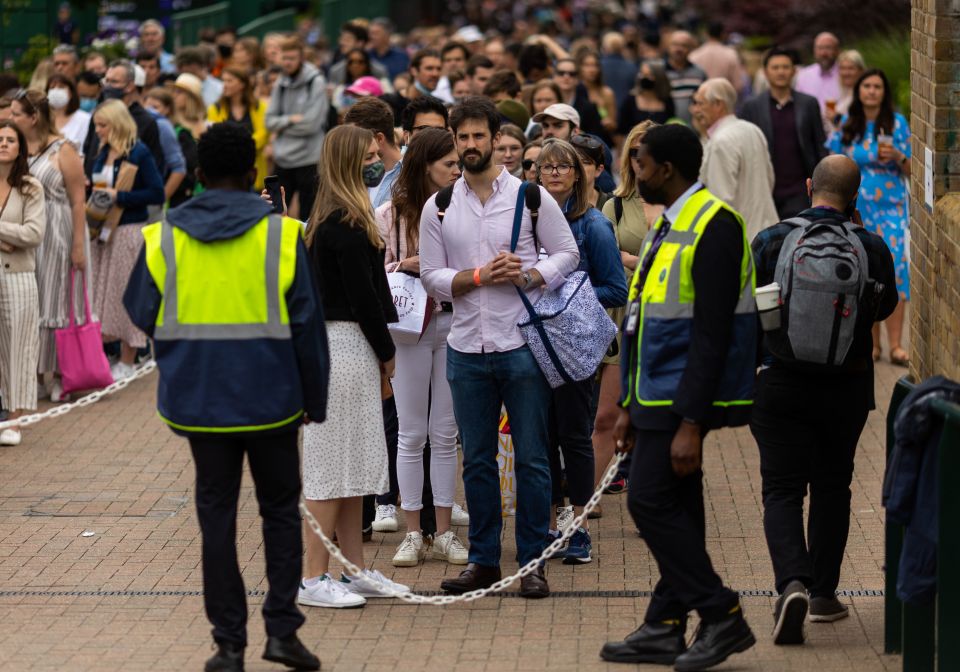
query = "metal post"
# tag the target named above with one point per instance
(948, 548)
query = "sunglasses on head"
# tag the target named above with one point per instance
(585, 141)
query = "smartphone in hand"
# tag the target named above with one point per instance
(272, 184)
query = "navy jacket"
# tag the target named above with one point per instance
(911, 487)
(600, 256)
(234, 383)
(147, 186)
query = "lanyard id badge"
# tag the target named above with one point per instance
(633, 318)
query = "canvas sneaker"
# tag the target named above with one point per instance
(827, 609)
(330, 594)
(371, 583)
(386, 519)
(564, 518)
(448, 546)
(10, 437)
(411, 551)
(121, 371)
(616, 486)
(459, 516)
(789, 614)
(552, 536)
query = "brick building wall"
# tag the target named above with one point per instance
(935, 233)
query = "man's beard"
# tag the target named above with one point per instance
(480, 164)
(652, 195)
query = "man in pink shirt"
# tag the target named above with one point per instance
(466, 259)
(718, 60)
(822, 79)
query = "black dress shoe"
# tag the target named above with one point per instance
(474, 577)
(656, 643)
(291, 652)
(534, 586)
(715, 642)
(228, 658)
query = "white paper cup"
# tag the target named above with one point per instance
(768, 304)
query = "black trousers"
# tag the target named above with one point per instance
(303, 181)
(275, 465)
(391, 427)
(807, 434)
(571, 425)
(669, 513)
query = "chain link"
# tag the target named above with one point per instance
(91, 398)
(444, 600)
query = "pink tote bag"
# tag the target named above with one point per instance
(83, 364)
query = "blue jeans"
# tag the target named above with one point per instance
(480, 383)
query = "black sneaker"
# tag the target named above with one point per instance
(291, 652)
(715, 642)
(789, 614)
(228, 658)
(827, 609)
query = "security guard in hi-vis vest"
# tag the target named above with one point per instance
(225, 289)
(688, 360)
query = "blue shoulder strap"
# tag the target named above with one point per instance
(518, 215)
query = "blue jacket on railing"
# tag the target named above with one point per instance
(599, 256)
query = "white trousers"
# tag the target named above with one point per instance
(425, 407)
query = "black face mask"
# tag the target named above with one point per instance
(225, 50)
(647, 84)
(112, 93)
(651, 194)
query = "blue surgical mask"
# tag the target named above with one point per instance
(88, 104)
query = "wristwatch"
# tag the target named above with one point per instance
(527, 279)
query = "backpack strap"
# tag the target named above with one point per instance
(617, 209)
(444, 196)
(531, 197)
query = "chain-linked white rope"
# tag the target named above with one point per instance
(444, 600)
(87, 400)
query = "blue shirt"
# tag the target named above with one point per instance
(382, 193)
(599, 256)
(395, 60)
(173, 159)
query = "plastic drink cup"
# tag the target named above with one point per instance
(768, 305)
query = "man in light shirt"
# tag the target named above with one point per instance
(467, 260)
(822, 79)
(736, 160)
(717, 59)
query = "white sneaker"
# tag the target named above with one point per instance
(386, 519)
(10, 437)
(372, 583)
(42, 392)
(448, 547)
(411, 552)
(459, 516)
(121, 371)
(564, 518)
(329, 593)
(56, 392)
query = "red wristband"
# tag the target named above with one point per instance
(476, 277)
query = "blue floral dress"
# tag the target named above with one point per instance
(883, 193)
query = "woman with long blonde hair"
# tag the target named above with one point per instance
(345, 457)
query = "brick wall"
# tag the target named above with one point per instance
(935, 236)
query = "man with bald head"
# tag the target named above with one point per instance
(685, 77)
(807, 418)
(822, 79)
(736, 159)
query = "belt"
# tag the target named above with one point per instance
(446, 307)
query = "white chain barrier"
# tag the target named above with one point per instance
(87, 400)
(444, 600)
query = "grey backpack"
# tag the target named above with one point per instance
(822, 272)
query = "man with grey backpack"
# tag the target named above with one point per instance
(822, 282)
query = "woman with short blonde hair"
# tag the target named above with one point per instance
(122, 133)
(345, 457)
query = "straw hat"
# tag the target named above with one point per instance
(191, 84)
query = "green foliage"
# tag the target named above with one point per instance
(890, 51)
(39, 47)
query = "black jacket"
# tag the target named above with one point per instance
(810, 132)
(589, 115)
(353, 282)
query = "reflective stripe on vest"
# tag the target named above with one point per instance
(667, 295)
(274, 324)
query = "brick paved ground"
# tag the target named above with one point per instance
(114, 470)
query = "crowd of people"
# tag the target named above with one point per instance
(490, 166)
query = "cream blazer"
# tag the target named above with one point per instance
(22, 225)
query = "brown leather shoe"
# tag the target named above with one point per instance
(534, 586)
(474, 577)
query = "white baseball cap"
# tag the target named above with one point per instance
(560, 111)
(139, 76)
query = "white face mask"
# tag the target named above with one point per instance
(58, 98)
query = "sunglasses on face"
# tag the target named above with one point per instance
(634, 153)
(528, 164)
(566, 73)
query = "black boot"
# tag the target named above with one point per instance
(657, 643)
(291, 652)
(228, 658)
(715, 642)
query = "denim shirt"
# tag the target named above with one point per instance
(599, 256)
